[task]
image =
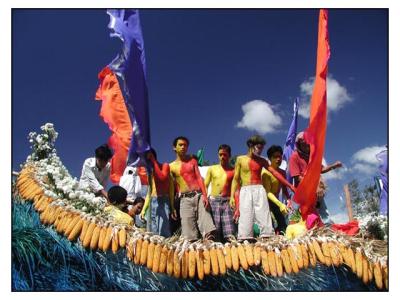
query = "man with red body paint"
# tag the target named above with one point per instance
(159, 198)
(192, 193)
(253, 204)
(220, 176)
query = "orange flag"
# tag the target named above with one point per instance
(314, 135)
(114, 113)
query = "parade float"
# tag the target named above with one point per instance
(63, 240)
(319, 259)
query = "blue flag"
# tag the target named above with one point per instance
(383, 170)
(130, 68)
(291, 139)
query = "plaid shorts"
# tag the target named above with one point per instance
(222, 216)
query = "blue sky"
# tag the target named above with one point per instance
(202, 67)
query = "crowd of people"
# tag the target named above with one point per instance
(240, 201)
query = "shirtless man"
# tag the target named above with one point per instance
(192, 193)
(273, 187)
(220, 176)
(253, 204)
(160, 198)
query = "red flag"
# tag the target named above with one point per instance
(315, 133)
(114, 113)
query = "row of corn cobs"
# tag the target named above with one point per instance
(197, 259)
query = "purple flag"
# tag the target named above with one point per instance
(383, 170)
(130, 68)
(291, 139)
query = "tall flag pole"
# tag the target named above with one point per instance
(314, 135)
(291, 139)
(124, 94)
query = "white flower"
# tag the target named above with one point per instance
(84, 208)
(72, 195)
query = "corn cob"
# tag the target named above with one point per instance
(364, 270)
(327, 255)
(214, 262)
(248, 249)
(264, 261)
(177, 265)
(312, 256)
(299, 256)
(352, 261)
(65, 219)
(170, 262)
(257, 255)
(150, 255)
(138, 250)
(129, 248)
(95, 238)
(68, 220)
(359, 263)
(272, 262)
(88, 235)
(242, 257)
(199, 264)
(59, 218)
(185, 264)
(107, 240)
(304, 254)
(334, 253)
(102, 235)
(228, 257)
(370, 271)
(221, 261)
(122, 237)
(72, 224)
(378, 275)
(163, 259)
(156, 258)
(84, 229)
(278, 262)
(143, 253)
(207, 262)
(115, 242)
(385, 277)
(292, 259)
(286, 261)
(54, 216)
(43, 215)
(235, 258)
(192, 263)
(76, 231)
(318, 252)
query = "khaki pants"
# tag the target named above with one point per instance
(194, 216)
(254, 208)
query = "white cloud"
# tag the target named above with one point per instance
(337, 96)
(364, 161)
(336, 174)
(259, 116)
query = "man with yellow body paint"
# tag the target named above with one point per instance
(220, 176)
(273, 187)
(253, 205)
(191, 192)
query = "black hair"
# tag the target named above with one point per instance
(152, 151)
(175, 142)
(103, 152)
(225, 147)
(255, 140)
(117, 195)
(138, 200)
(274, 148)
